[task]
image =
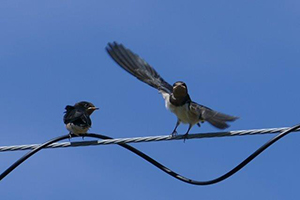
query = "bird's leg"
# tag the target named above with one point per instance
(70, 135)
(186, 134)
(174, 133)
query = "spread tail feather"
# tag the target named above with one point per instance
(218, 119)
(215, 118)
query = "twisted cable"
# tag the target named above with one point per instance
(146, 139)
(154, 162)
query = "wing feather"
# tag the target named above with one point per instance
(77, 117)
(137, 67)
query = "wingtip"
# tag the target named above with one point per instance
(235, 118)
(114, 45)
(107, 49)
(108, 46)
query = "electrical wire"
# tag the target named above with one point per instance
(154, 162)
(146, 139)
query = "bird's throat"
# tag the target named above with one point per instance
(180, 100)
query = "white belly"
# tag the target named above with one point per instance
(76, 129)
(182, 112)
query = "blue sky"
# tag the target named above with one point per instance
(237, 57)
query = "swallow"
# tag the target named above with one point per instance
(77, 117)
(176, 96)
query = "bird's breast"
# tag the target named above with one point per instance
(183, 112)
(76, 129)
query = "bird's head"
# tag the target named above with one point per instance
(180, 89)
(88, 106)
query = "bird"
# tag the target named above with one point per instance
(77, 118)
(176, 96)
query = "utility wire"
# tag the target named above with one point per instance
(145, 139)
(157, 164)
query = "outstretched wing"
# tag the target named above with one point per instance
(77, 117)
(215, 118)
(138, 67)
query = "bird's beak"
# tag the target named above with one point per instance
(93, 108)
(179, 87)
(179, 90)
(90, 110)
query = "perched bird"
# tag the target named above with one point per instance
(177, 98)
(77, 117)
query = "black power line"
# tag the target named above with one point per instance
(154, 162)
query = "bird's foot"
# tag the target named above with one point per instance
(174, 133)
(81, 135)
(185, 137)
(70, 136)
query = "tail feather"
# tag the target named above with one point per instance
(218, 123)
(217, 119)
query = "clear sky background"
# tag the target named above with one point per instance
(237, 57)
